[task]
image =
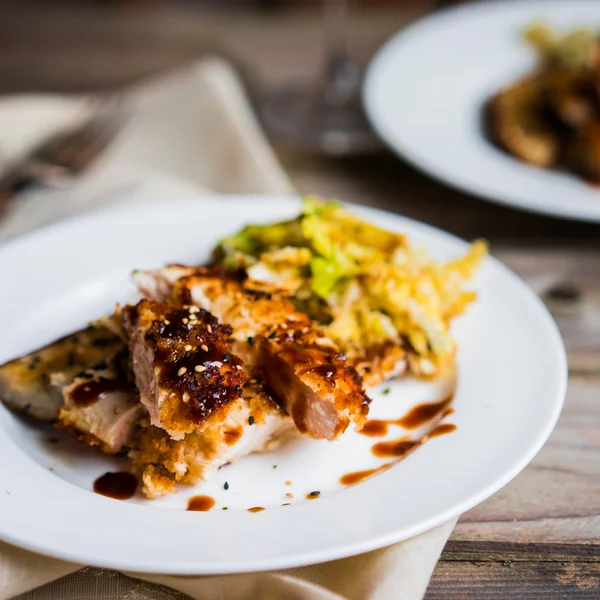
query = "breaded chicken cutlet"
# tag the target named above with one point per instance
(207, 411)
(282, 346)
(79, 383)
(255, 424)
(186, 373)
(203, 411)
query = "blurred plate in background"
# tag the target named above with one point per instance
(425, 90)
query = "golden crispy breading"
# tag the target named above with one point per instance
(34, 382)
(161, 462)
(186, 373)
(318, 388)
(381, 363)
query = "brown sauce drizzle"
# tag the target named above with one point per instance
(120, 486)
(400, 448)
(200, 503)
(358, 476)
(231, 436)
(327, 370)
(88, 392)
(208, 389)
(415, 417)
(394, 448)
(420, 414)
(375, 428)
(255, 509)
(443, 429)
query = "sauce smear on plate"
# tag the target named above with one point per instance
(358, 476)
(415, 417)
(120, 486)
(443, 429)
(394, 448)
(200, 503)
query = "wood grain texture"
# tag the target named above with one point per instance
(487, 571)
(540, 535)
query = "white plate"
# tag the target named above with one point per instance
(511, 385)
(425, 89)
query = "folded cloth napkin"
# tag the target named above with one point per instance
(189, 133)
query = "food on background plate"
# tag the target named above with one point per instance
(268, 340)
(550, 118)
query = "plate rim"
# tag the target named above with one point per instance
(432, 170)
(368, 542)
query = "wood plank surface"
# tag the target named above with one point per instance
(539, 536)
(516, 572)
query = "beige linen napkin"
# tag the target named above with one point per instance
(189, 133)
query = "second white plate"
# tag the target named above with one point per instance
(425, 90)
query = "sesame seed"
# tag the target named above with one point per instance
(251, 341)
(226, 486)
(199, 368)
(186, 397)
(182, 371)
(188, 347)
(273, 335)
(209, 328)
(185, 321)
(239, 367)
(194, 309)
(167, 322)
(204, 347)
(289, 495)
(315, 494)
(250, 420)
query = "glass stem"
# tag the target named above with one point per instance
(342, 75)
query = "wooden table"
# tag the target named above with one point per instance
(539, 537)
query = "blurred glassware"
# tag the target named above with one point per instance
(327, 115)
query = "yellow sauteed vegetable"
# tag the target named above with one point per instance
(365, 286)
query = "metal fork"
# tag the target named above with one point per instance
(58, 160)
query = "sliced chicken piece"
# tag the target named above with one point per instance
(33, 383)
(258, 423)
(187, 375)
(101, 408)
(319, 389)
